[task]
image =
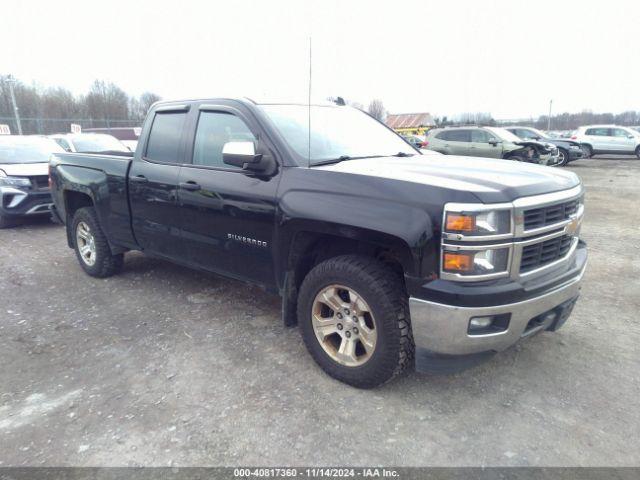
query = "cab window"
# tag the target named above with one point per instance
(213, 131)
(164, 137)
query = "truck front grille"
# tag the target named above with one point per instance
(543, 253)
(543, 216)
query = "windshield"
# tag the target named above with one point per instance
(335, 132)
(27, 149)
(98, 143)
(504, 134)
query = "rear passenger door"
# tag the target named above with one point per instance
(228, 214)
(458, 142)
(600, 138)
(153, 184)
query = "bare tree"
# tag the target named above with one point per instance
(376, 109)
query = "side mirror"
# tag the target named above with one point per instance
(244, 156)
(629, 136)
(240, 154)
(493, 142)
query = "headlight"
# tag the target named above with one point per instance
(489, 222)
(487, 262)
(14, 182)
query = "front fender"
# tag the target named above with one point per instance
(404, 229)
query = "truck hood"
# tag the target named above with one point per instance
(489, 180)
(25, 169)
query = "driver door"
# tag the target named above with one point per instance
(228, 214)
(481, 147)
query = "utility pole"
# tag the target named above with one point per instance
(549, 117)
(11, 81)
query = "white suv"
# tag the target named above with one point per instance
(607, 139)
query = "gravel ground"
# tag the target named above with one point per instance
(164, 366)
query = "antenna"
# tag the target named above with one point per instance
(309, 103)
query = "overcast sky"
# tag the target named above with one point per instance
(446, 57)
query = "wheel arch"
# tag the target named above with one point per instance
(311, 245)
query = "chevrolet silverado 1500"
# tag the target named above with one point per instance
(383, 257)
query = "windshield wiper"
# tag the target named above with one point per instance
(341, 158)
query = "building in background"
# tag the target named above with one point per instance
(411, 123)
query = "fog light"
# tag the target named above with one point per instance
(480, 323)
(489, 324)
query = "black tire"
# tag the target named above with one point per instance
(638, 151)
(517, 158)
(587, 151)
(6, 222)
(381, 288)
(563, 157)
(106, 264)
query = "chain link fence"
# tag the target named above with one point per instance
(47, 126)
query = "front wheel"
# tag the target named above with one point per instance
(354, 320)
(638, 151)
(563, 157)
(517, 158)
(91, 246)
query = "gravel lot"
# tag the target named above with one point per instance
(164, 366)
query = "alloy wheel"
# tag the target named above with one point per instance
(344, 325)
(86, 243)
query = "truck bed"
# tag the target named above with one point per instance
(102, 177)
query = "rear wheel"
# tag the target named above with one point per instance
(587, 151)
(91, 246)
(638, 151)
(354, 320)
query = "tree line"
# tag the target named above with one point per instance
(54, 109)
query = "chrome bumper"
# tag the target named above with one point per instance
(443, 329)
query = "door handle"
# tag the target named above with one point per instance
(191, 186)
(139, 179)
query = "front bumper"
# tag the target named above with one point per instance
(15, 202)
(549, 159)
(442, 328)
(575, 153)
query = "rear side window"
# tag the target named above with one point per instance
(598, 132)
(455, 135)
(165, 136)
(460, 135)
(214, 130)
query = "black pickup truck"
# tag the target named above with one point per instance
(383, 257)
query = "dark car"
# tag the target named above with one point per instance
(568, 150)
(24, 181)
(383, 256)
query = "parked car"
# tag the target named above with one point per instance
(24, 180)
(382, 256)
(127, 135)
(596, 139)
(568, 150)
(89, 143)
(415, 140)
(491, 142)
